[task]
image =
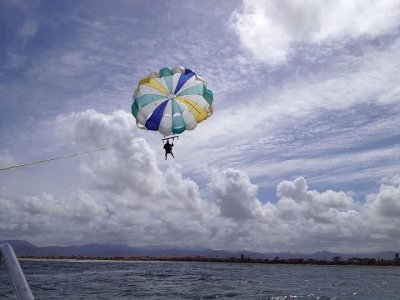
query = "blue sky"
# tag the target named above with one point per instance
(301, 154)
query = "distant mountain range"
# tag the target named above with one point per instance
(24, 248)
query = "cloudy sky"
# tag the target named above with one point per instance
(302, 152)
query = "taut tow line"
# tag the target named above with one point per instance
(62, 157)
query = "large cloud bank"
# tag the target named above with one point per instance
(127, 197)
(272, 29)
(308, 219)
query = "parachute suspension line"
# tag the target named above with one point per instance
(64, 156)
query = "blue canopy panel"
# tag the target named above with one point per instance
(183, 78)
(154, 121)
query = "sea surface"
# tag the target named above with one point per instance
(190, 280)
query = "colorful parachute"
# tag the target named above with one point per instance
(171, 101)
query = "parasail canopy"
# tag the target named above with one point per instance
(171, 101)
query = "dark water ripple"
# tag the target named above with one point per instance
(170, 280)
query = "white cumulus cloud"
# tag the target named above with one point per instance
(127, 197)
(271, 29)
(307, 219)
(236, 196)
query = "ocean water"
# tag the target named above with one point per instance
(191, 280)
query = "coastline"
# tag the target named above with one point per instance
(297, 261)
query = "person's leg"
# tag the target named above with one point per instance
(165, 156)
(172, 155)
